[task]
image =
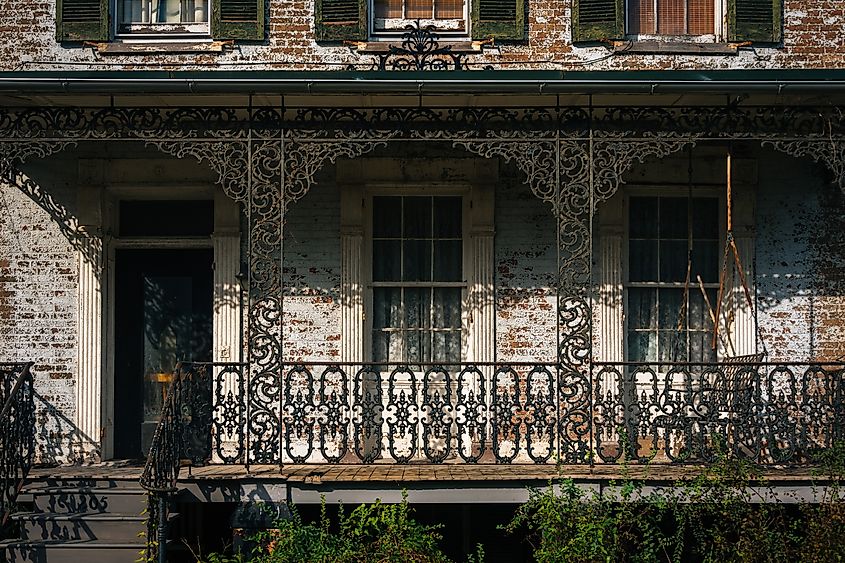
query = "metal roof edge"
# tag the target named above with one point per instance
(469, 82)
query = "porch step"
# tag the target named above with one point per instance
(72, 527)
(87, 500)
(17, 551)
(79, 518)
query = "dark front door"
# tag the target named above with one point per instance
(162, 316)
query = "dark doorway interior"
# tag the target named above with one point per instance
(163, 304)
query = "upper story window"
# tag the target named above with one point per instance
(163, 16)
(716, 20)
(444, 15)
(362, 20)
(671, 17)
(103, 20)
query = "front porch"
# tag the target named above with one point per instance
(536, 383)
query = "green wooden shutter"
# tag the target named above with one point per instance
(595, 20)
(341, 20)
(82, 20)
(237, 19)
(500, 19)
(755, 20)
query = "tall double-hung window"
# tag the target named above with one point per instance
(672, 241)
(417, 279)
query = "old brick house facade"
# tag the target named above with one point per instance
(505, 243)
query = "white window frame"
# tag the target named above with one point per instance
(674, 191)
(164, 30)
(719, 23)
(392, 28)
(466, 258)
(360, 178)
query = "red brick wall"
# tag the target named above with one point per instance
(813, 34)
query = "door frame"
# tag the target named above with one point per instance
(226, 313)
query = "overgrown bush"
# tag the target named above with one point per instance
(371, 533)
(724, 514)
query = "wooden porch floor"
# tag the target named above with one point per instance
(411, 473)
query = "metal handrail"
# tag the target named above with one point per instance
(168, 451)
(17, 435)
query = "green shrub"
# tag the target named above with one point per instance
(712, 518)
(371, 533)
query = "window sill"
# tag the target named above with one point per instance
(154, 48)
(653, 47)
(383, 47)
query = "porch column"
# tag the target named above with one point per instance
(352, 273)
(226, 243)
(482, 312)
(611, 323)
(94, 438)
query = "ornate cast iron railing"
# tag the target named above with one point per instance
(17, 433)
(501, 413)
(768, 413)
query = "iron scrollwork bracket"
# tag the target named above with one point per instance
(828, 152)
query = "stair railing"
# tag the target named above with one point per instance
(182, 438)
(17, 433)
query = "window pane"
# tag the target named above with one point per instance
(417, 217)
(670, 303)
(417, 346)
(447, 307)
(700, 347)
(448, 9)
(418, 9)
(706, 261)
(447, 217)
(381, 346)
(643, 217)
(387, 217)
(388, 8)
(673, 260)
(705, 218)
(671, 17)
(699, 315)
(700, 17)
(386, 260)
(641, 16)
(164, 11)
(642, 260)
(642, 346)
(417, 260)
(447, 347)
(642, 303)
(387, 307)
(417, 307)
(673, 218)
(671, 346)
(448, 260)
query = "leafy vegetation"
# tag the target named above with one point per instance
(371, 533)
(727, 513)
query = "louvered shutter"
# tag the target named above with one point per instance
(595, 20)
(755, 20)
(237, 19)
(82, 20)
(500, 19)
(341, 20)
